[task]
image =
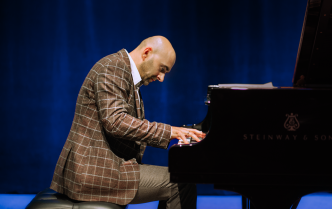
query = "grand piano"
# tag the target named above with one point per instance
(272, 146)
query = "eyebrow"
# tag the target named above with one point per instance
(167, 69)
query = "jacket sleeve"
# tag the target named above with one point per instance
(112, 87)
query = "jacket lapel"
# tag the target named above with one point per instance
(123, 54)
(138, 103)
(141, 105)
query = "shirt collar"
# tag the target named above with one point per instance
(134, 72)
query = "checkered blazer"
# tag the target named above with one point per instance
(99, 161)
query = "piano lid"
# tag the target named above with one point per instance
(314, 58)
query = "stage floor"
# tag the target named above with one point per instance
(314, 201)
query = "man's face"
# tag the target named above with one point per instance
(155, 67)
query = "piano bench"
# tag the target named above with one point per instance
(50, 199)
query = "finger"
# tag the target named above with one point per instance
(187, 130)
(194, 137)
(186, 133)
(198, 133)
(183, 138)
(202, 135)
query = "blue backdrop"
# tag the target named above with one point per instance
(48, 47)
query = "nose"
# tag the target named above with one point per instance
(161, 77)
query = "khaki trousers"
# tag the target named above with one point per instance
(155, 185)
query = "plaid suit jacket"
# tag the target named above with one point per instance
(99, 161)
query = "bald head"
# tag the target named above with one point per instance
(158, 43)
(154, 57)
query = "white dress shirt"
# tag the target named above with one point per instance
(134, 72)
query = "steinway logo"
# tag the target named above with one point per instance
(291, 123)
(287, 137)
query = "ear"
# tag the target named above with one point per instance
(146, 53)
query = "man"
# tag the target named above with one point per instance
(101, 159)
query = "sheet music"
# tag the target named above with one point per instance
(268, 85)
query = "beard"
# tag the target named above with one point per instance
(144, 71)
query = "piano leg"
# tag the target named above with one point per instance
(268, 198)
(245, 203)
(271, 200)
(296, 203)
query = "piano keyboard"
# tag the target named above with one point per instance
(190, 140)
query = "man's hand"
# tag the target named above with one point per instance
(183, 133)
